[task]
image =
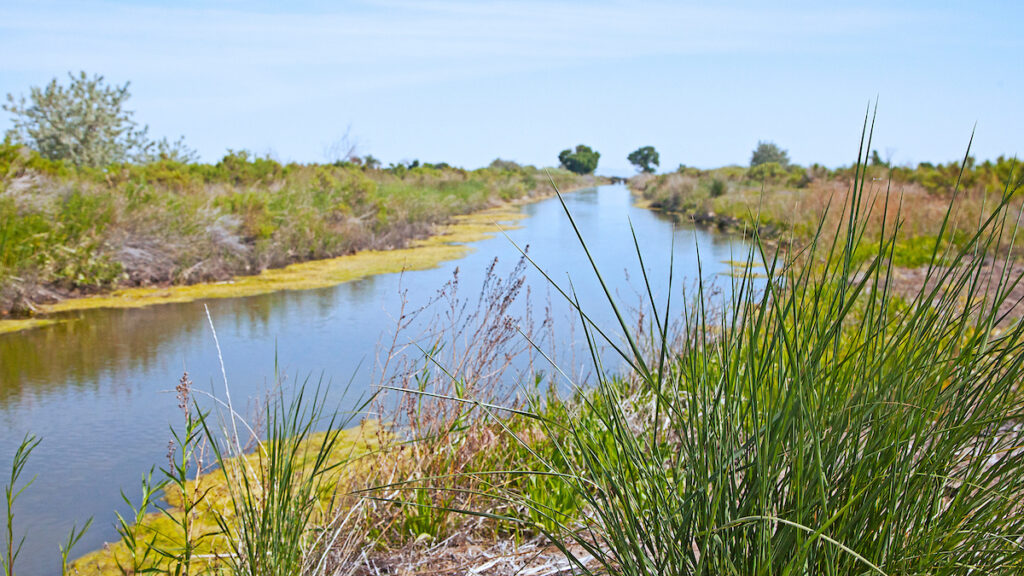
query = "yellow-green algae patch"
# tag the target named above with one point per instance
(348, 459)
(744, 269)
(641, 202)
(24, 324)
(420, 255)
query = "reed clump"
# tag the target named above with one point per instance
(823, 424)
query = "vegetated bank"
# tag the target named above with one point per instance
(813, 422)
(788, 202)
(67, 232)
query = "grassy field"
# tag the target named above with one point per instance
(76, 231)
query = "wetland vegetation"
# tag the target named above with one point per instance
(813, 419)
(70, 231)
(817, 416)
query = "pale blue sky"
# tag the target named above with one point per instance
(466, 82)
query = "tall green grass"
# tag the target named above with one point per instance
(281, 494)
(818, 424)
(13, 544)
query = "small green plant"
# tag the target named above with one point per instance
(186, 454)
(717, 188)
(277, 493)
(138, 541)
(65, 548)
(11, 494)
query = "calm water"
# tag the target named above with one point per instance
(96, 389)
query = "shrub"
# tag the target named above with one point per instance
(769, 172)
(769, 152)
(717, 188)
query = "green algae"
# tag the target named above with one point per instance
(19, 324)
(449, 244)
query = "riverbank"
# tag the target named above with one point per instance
(141, 235)
(789, 206)
(449, 243)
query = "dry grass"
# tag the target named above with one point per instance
(791, 213)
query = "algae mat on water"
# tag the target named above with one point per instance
(449, 244)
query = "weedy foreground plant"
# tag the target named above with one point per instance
(821, 425)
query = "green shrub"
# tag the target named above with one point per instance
(768, 172)
(769, 153)
(717, 188)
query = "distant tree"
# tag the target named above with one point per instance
(582, 161)
(499, 164)
(876, 159)
(644, 158)
(84, 123)
(370, 162)
(769, 152)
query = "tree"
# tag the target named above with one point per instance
(643, 158)
(86, 124)
(769, 152)
(370, 162)
(582, 161)
(876, 159)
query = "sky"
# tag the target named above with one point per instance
(466, 82)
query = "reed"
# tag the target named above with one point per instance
(13, 544)
(821, 425)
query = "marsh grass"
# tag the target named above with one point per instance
(12, 544)
(821, 425)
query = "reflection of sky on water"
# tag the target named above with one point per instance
(93, 388)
